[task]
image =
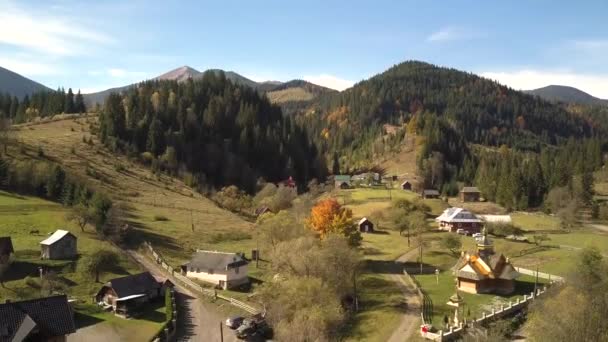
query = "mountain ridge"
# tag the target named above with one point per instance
(18, 85)
(566, 94)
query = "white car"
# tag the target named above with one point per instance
(461, 231)
(477, 235)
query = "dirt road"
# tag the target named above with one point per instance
(198, 321)
(410, 322)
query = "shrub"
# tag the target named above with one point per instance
(226, 237)
(160, 218)
(503, 229)
(40, 152)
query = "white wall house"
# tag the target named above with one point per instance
(225, 270)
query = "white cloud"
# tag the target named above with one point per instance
(28, 68)
(329, 81)
(122, 73)
(453, 33)
(527, 79)
(52, 35)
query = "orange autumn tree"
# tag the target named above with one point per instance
(329, 217)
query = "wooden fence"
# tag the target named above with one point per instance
(167, 331)
(188, 283)
(427, 304)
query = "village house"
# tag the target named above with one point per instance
(470, 194)
(127, 295)
(224, 270)
(43, 319)
(454, 218)
(342, 181)
(367, 178)
(406, 185)
(485, 271)
(429, 193)
(6, 249)
(365, 225)
(60, 245)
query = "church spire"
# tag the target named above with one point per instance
(484, 244)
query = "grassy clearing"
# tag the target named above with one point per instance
(364, 201)
(21, 214)
(535, 221)
(187, 220)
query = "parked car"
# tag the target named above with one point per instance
(461, 231)
(254, 328)
(477, 235)
(234, 322)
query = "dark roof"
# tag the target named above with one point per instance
(430, 192)
(53, 316)
(6, 245)
(472, 189)
(133, 284)
(261, 210)
(206, 260)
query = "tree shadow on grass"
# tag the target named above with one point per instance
(150, 312)
(83, 320)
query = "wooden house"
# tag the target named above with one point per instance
(43, 319)
(470, 194)
(454, 218)
(485, 271)
(365, 225)
(224, 270)
(406, 185)
(261, 211)
(60, 245)
(430, 193)
(127, 295)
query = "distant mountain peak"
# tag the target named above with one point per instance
(17, 85)
(180, 74)
(567, 94)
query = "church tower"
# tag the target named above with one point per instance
(485, 248)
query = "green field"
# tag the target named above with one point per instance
(535, 221)
(363, 201)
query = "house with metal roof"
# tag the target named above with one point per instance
(454, 218)
(42, 319)
(224, 270)
(60, 245)
(127, 295)
(485, 271)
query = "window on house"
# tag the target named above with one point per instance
(210, 271)
(236, 270)
(198, 270)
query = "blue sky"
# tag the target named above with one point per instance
(96, 45)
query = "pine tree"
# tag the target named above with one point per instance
(335, 168)
(79, 105)
(68, 106)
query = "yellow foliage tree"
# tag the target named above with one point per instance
(329, 217)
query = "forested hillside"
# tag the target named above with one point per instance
(40, 104)
(452, 111)
(211, 131)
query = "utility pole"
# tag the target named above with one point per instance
(421, 258)
(191, 221)
(356, 300)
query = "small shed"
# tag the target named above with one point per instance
(60, 245)
(366, 226)
(430, 193)
(470, 194)
(406, 185)
(262, 210)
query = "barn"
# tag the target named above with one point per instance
(406, 185)
(126, 295)
(365, 225)
(60, 245)
(470, 194)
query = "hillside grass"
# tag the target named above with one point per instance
(535, 221)
(144, 196)
(21, 214)
(295, 94)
